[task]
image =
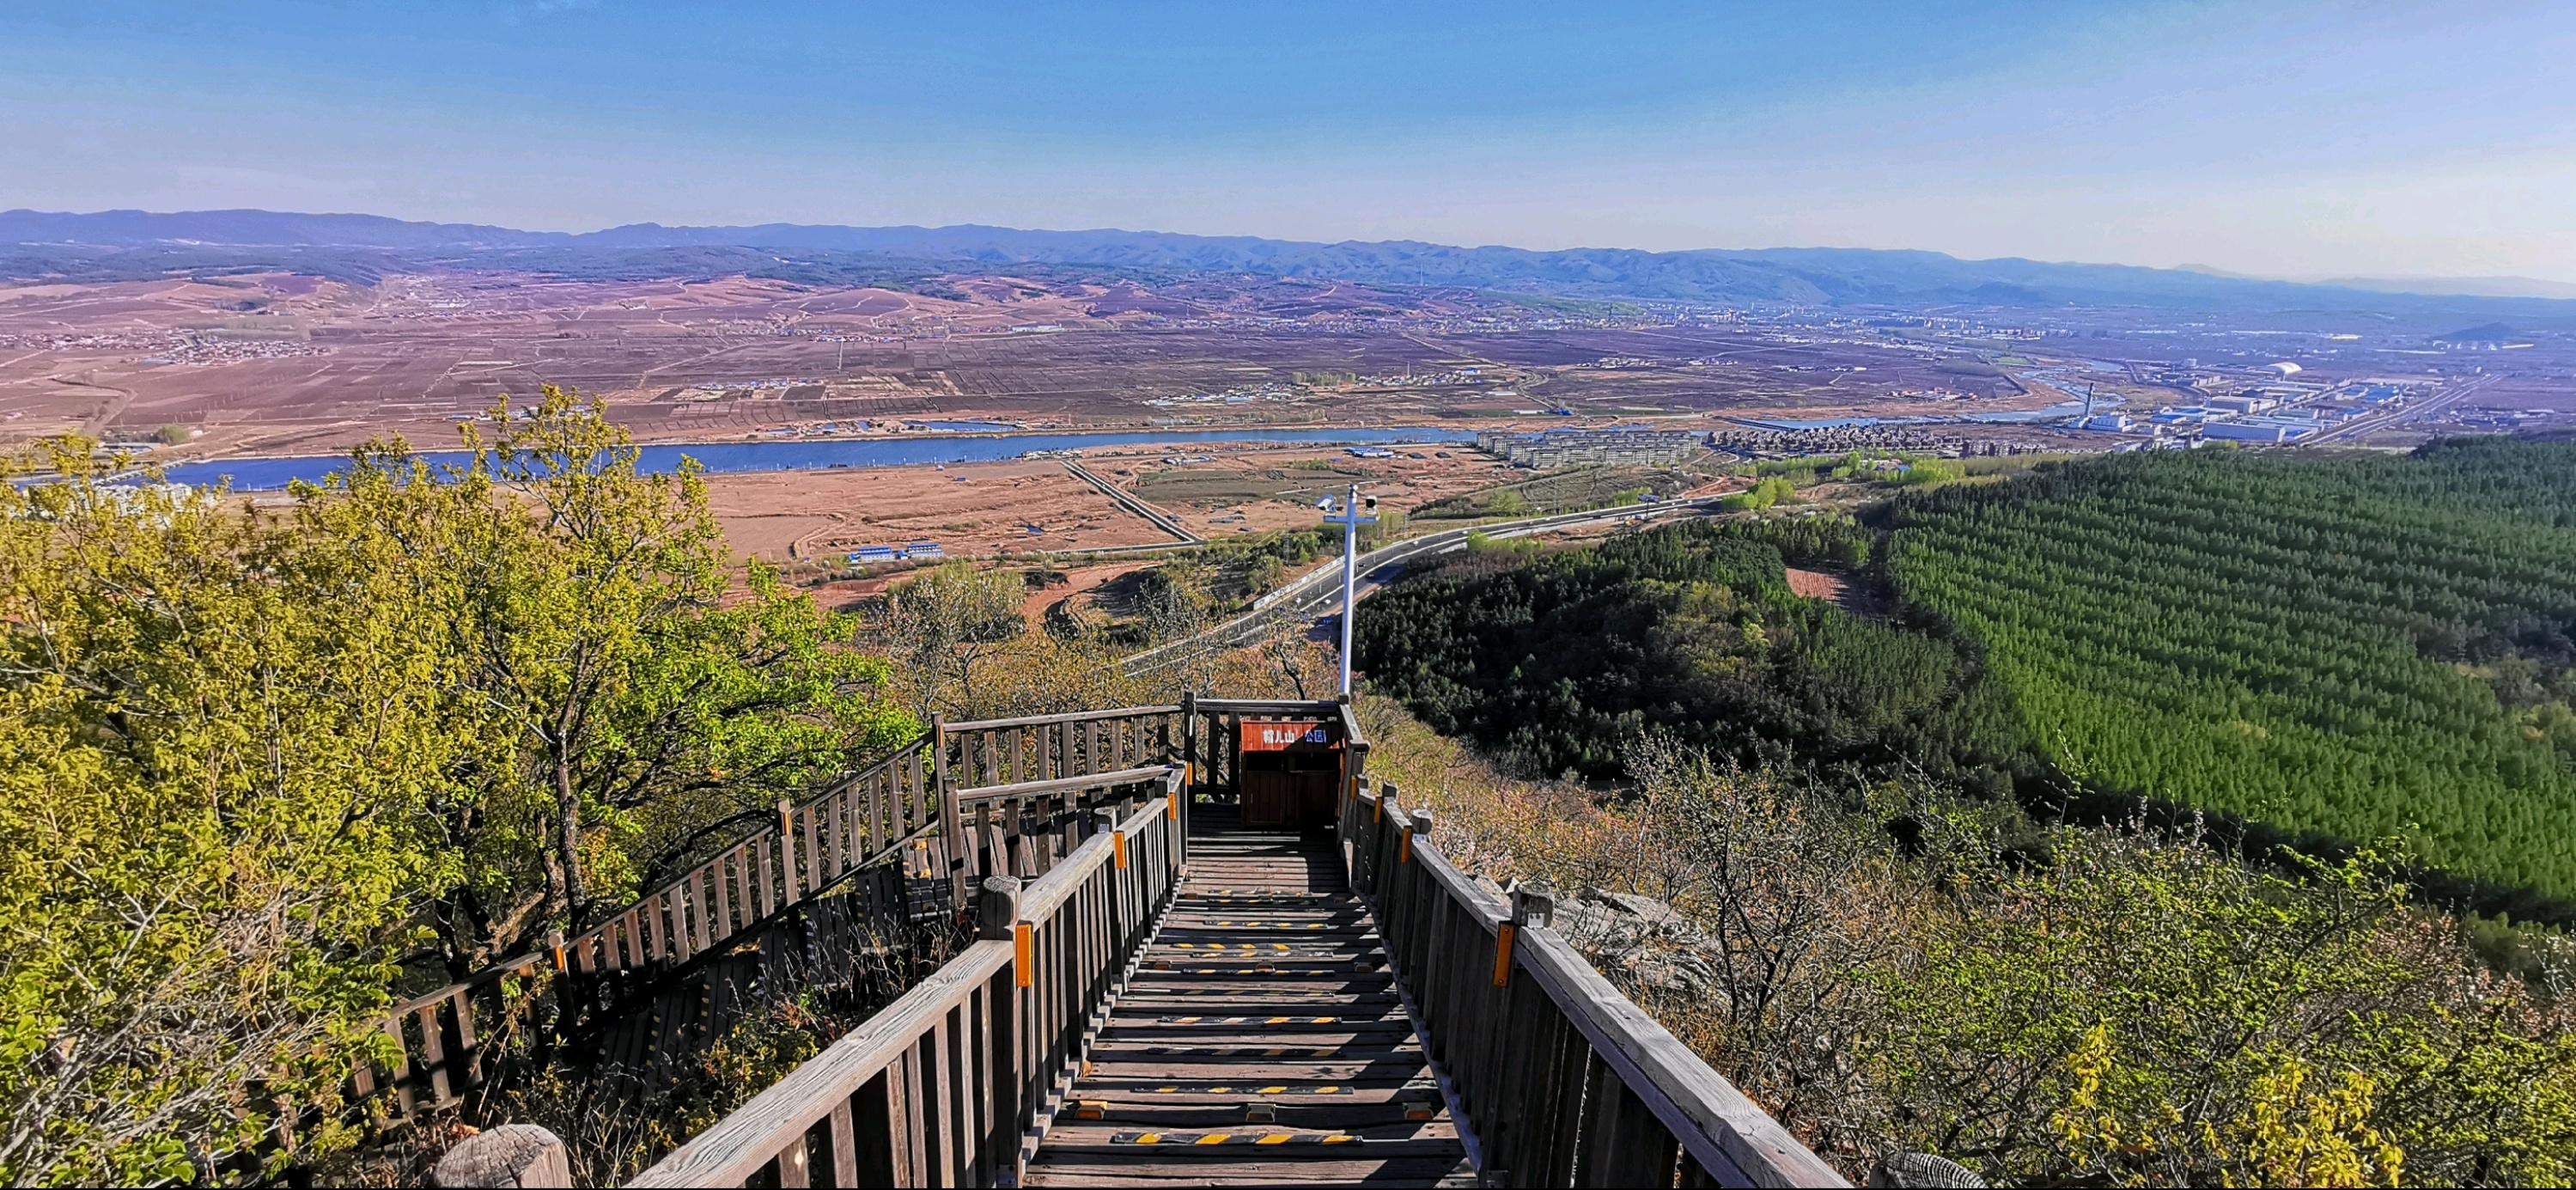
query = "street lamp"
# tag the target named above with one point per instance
(1355, 512)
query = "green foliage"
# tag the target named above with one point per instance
(2134, 1013)
(171, 435)
(1263, 574)
(1928, 471)
(1689, 628)
(1481, 543)
(1763, 494)
(1893, 969)
(216, 759)
(247, 762)
(1904, 470)
(624, 694)
(1390, 527)
(2354, 647)
(2328, 650)
(942, 620)
(1506, 502)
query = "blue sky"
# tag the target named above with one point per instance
(2281, 139)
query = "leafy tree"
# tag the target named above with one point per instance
(630, 698)
(1763, 494)
(214, 771)
(2186, 1020)
(1690, 629)
(249, 763)
(945, 619)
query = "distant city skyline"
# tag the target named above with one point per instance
(2308, 141)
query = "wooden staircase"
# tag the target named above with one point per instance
(1261, 1041)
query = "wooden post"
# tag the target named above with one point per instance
(1531, 906)
(1188, 792)
(1105, 822)
(952, 832)
(787, 855)
(998, 908)
(1420, 824)
(1189, 742)
(510, 1155)
(1355, 763)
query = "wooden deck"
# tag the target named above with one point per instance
(1261, 1041)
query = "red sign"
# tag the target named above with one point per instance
(1280, 737)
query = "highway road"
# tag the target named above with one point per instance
(1316, 593)
(2356, 429)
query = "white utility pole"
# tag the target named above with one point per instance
(1350, 520)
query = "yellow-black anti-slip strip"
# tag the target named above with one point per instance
(1232, 1138)
(1220, 1089)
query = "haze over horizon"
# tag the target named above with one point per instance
(2310, 142)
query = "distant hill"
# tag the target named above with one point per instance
(139, 241)
(2530, 287)
(2493, 332)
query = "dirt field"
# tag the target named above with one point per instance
(1815, 584)
(282, 363)
(983, 509)
(1220, 493)
(970, 510)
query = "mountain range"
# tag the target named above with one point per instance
(104, 244)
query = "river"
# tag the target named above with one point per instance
(269, 474)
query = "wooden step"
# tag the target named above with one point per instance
(1320, 1040)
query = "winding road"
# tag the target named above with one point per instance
(1313, 594)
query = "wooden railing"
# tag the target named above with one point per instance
(941, 1087)
(1563, 1080)
(906, 807)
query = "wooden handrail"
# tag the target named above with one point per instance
(1065, 717)
(1525, 1030)
(911, 1097)
(1265, 706)
(856, 821)
(1140, 776)
(738, 1147)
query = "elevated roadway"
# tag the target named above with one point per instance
(2364, 427)
(1313, 595)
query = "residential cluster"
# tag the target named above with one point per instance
(1241, 394)
(175, 347)
(1548, 449)
(1843, 439)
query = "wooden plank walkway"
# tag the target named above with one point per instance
(1261, 1042)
